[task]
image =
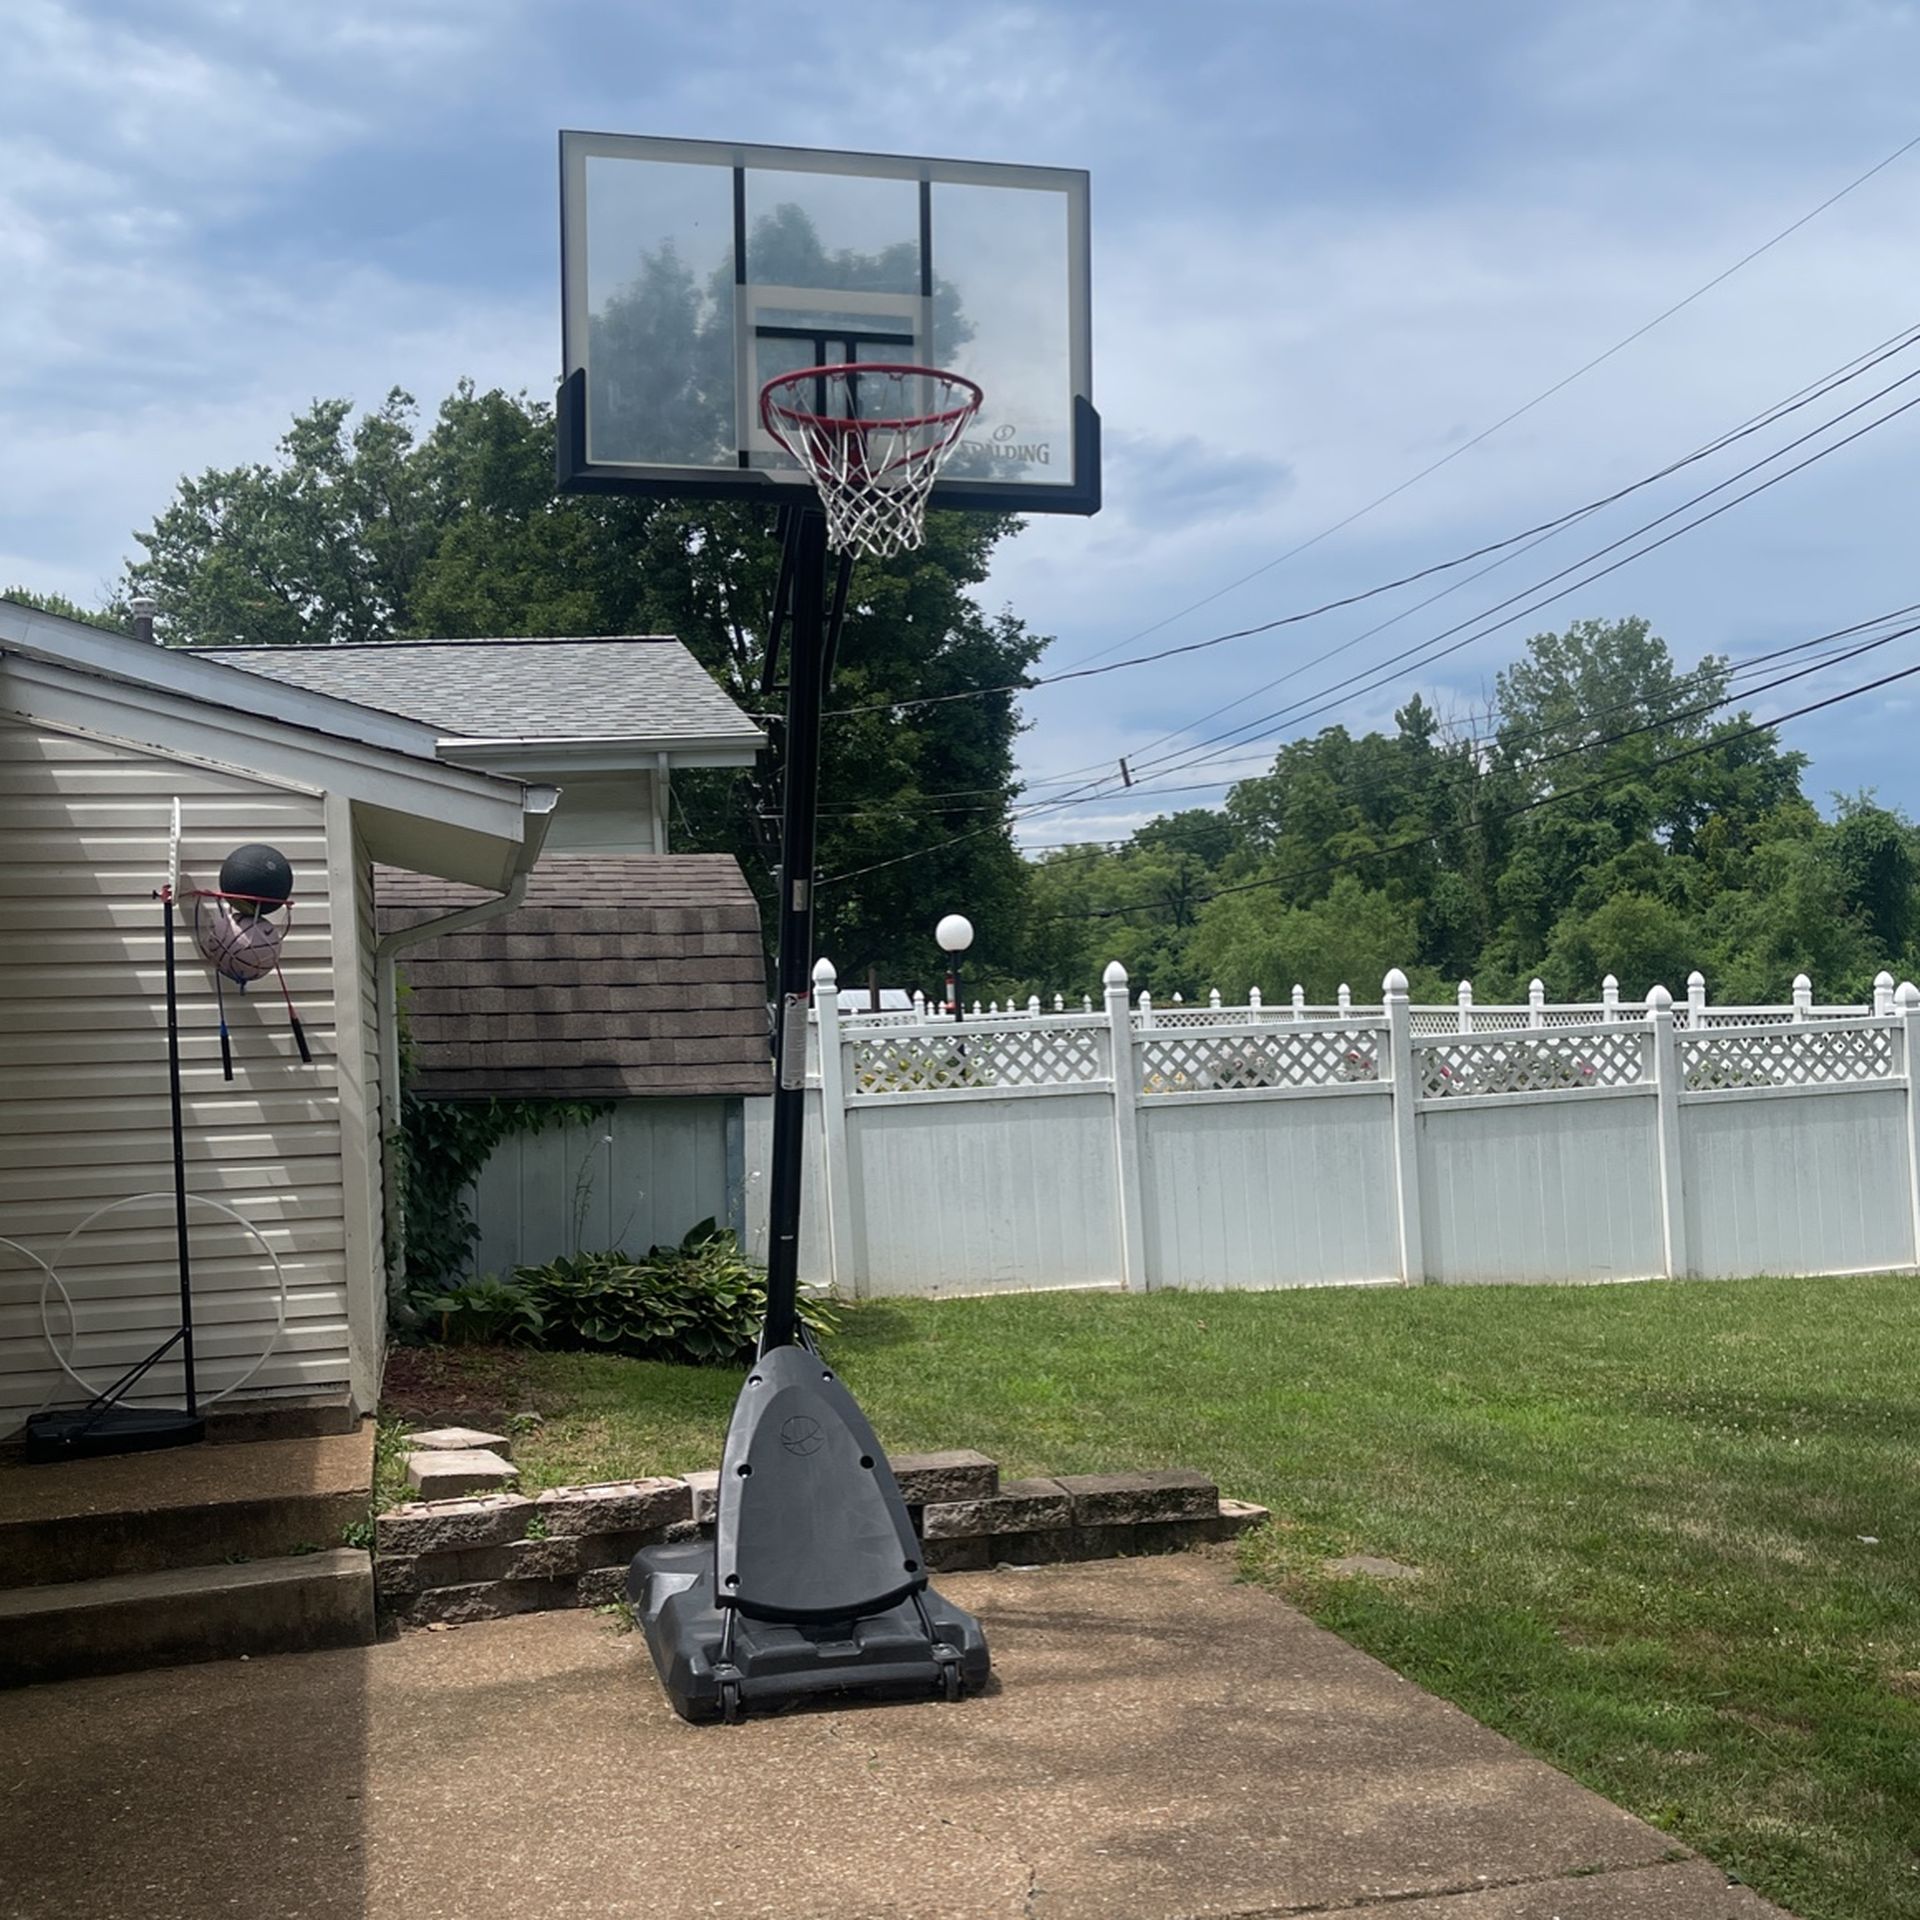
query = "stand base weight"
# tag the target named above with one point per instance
(78, 1434)
(777, 1663)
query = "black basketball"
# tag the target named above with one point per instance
(258, 871)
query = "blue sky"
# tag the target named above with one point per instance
(1332, 242)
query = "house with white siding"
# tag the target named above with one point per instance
(100, 734)
(630, 976)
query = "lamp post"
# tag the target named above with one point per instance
(955, 935)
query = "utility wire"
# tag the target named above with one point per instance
(1495, 732)
(1558, 796)
(1050, 806)
(1430, 650)
(1526, 407)
(1531, 536)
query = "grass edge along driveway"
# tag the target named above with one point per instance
(1668, 1534)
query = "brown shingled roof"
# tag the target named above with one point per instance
(621, 976)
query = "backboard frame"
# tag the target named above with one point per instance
(577, 472)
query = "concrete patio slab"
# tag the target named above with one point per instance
(1160, 1744)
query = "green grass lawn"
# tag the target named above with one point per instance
(1669, 1534)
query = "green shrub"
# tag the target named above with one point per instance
(699, 1302)
(487, 1309)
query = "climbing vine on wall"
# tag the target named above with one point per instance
(437, 1154)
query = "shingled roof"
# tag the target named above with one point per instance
(622, 687)
(621, 976)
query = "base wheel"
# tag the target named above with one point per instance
(730, 1702)
(952, 1681)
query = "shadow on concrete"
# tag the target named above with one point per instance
(238, 1788)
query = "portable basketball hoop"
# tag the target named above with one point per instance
(873, 435)
(815, 1582)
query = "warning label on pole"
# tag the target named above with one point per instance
(793, 1042)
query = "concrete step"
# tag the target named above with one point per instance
(282, 1417)
(183, 1614)
(183, 1507)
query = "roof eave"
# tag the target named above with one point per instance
(555, 754)
(181, 670)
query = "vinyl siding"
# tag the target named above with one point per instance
(377, 1117)
(83, 1076)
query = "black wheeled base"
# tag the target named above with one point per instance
(81, 1433)
(923, 1647)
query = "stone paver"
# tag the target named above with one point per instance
(460, 1440)
(1159, 1744)
(445, 1475)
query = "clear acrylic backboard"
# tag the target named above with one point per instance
(695, 271)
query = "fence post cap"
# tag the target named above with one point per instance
(1883, 978)
(1464, 991)
(1907, 997)
(1115, 975)
(1696, 978)
(1395, 982)
(1801, 984)
(1536, 985)
(1611, 983)
(823, 973)
(1659, 1000)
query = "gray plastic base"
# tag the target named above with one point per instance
(776, 1663)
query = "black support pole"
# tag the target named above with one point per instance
(810, 645)
(179, 1159)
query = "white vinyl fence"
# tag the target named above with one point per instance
(1143, 1146)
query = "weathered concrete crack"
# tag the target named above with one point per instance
(1376, 1902)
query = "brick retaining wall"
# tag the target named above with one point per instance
(482, 1558)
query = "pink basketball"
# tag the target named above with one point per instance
(239, 945)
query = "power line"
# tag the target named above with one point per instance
(1531, 536)
(1429, 650)
(1827, 382)
(1053, 806)
(1560, 795)
(1678, 715)
(1506, 420)
(1506, 737)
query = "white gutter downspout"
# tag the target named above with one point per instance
(537, 811)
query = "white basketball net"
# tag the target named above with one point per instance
(874, 439)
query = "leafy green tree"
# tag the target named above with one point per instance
(1618, 819)
(1874, 854)
(1349, 936)
(1640, 939)
(67, 609)
(369, 530)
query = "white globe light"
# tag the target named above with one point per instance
(955, 933)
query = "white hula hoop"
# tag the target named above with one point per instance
(50, 1271)
(66, 1300)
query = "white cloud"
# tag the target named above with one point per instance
(1317, 286)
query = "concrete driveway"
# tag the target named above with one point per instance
(1161, 1744)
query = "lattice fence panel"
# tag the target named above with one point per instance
(1805, 1056)
(1536, 1062)
(972, 1057)
(1498, 1019)
(1306, 1055)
